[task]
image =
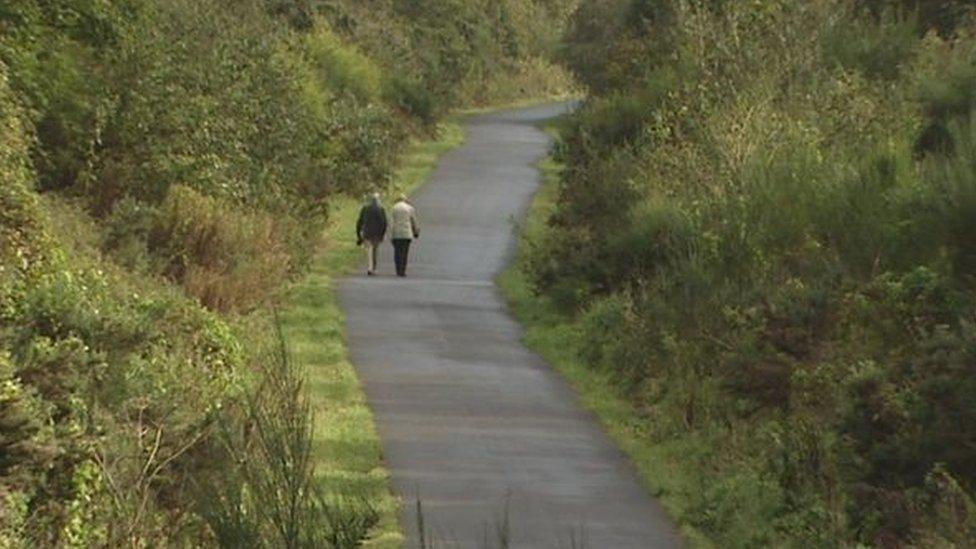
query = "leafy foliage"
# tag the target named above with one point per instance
(769, 207)
(443, 53)
(166, 168)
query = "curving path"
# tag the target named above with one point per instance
(473, 422)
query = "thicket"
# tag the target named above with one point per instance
(767, 227)
(459, 52)
(166, 167)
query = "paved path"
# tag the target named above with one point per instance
(470, 419)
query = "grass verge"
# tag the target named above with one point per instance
(346, 447)
(556, 338)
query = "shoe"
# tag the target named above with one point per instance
(370, 273)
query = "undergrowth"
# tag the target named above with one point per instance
(167, 170)
(762, 246)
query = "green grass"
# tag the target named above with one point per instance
(556, 338)
(347, 450)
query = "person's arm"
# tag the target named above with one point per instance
(414, 225)
(384, 225)
(359, 226)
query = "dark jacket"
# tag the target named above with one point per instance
(372, 223)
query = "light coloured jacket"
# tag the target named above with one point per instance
(404, 224)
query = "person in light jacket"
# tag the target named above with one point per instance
(370, 230)
(404, 229)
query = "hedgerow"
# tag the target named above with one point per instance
(166, 169)
(765, 223)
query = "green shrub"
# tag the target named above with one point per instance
(764, 225)
(945, 82)
(103, 372)
(943, 16)
(877, 50)
(23, 240)
(226, 258)
(88, 369)
(956, 178)
(593, 30)
(458, 51)
(344, 69)
(190, 152)
(412, 97)
(269, 496)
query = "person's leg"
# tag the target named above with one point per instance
(370, 253)
(406, 256)
(399, 256)
(374, 248)
(396, 254)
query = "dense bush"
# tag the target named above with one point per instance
(766, 219)
(225, 258)
(99, 421)
(130, 99)
(166, 167)
(443, 53)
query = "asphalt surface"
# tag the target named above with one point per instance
(482, 430)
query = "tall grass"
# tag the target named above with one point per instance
(272, 498)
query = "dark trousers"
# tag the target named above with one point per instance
(401, 249)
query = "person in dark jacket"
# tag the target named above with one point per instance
(370, 230)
